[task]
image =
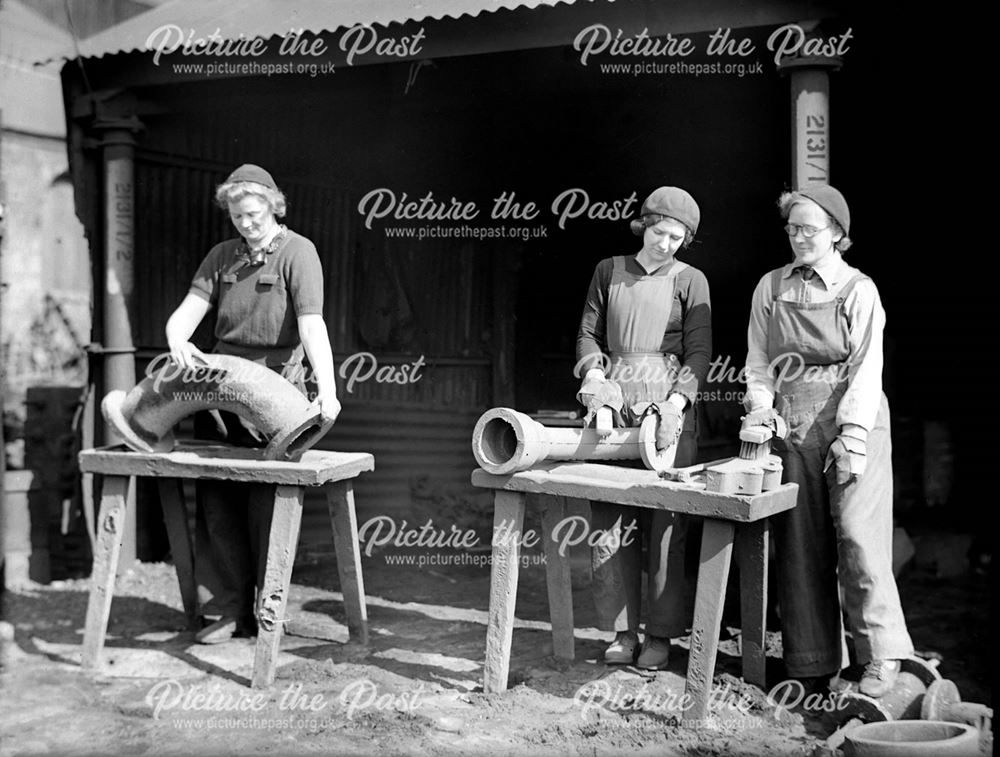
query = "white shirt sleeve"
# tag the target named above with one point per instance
(866, 318)
(760, 383)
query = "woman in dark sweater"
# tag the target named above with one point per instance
(267, 289)
(646, 326)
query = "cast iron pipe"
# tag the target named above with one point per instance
(505, 441)
(145, 416)
(912, 738)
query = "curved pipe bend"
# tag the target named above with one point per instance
(145, 416)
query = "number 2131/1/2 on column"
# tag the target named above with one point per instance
(816, 152)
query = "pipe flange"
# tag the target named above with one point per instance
(913, 738)
(291, 443)
(854, 704)
(505, 441)
(926, 672)
(940, 696)
(654, 459)
(111, 408)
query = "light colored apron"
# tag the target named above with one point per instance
(638, 312)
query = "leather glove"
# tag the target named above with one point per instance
(598, 392)
(848, 455)
(588, 387)
(668, 430)
(767, 417)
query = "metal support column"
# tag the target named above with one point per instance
(118, 350)
(809, 78)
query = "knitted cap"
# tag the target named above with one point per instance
(675, 203)
(831, 201)
(250, 172)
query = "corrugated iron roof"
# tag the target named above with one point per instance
(251, 19)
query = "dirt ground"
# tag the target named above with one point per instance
(417, 687)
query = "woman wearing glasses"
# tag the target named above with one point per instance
(815, 359)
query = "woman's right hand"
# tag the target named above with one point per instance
(186, 355)
(180, 326)
(591, 384)
(768, 417)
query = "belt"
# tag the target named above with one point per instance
(644, 354)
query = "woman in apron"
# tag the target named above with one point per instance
(815, 359)
(646, 328)
(267, 289)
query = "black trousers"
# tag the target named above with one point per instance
(233, 527)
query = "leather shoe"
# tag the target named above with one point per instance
(622, 650)
(227, 628)
(655, 654)
(221, 630)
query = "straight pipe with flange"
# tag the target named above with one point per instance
(145, 416)
(506, 441)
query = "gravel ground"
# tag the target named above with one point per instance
(416, 688)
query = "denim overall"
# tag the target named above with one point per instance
(836, 531)
(638, 311)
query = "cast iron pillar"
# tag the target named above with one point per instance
(117, 141)
(809, 78)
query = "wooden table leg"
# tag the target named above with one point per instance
(558, 579)
(175, 518)
(752, 547)
(114, 512)
(340, 500)
(281, 548)
(508, 522)
(713, 573)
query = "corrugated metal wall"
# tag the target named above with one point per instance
(384, 300)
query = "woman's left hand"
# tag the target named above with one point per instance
(668, 430)
(329, 406)
(671, 422)
(847, 455)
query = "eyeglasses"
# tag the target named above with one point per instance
(792, 229)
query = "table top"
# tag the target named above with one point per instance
(640, 488)
(220, 461)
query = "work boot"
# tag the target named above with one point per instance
(221, 630)
(226, 628)
(879, 677)
(622, 650)
(655, 653)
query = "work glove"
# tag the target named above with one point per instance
(670, 420)
(668, 430)
(847, 453)
(597, 392)
(767, 417)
